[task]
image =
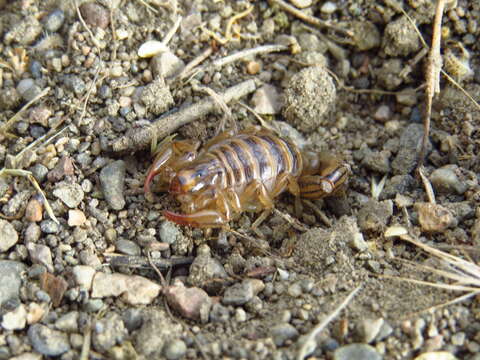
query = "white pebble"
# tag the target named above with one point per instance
(122, 34)
(328, 8)
(152, 48)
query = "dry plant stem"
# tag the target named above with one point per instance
(89, 92)
(4, 127)
(149, 7)
(33, 181)
(310, 344)
(160, 276)
(172, 31)
(137, 139)
(227, 114)
(427, 185)
(84, 24)
(309, 19)
(195, 62)
(294, 222)
(264, 49)
(458, 86)
(130, 261)
(87, 340)
(432, 76)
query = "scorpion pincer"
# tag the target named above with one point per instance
(240, 172)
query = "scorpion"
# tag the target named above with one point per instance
(237, 172)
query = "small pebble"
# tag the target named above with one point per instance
(241, 293)
(192, 303)
(382, 114)
(357, 352)
(127, 247)
(328, 7)
(175, 349)
(83, 275)
(27, 89)
(76, 218)
(301, 4)
(75, 83)
(283, 332)
(68, 322)
(166, 64)
(253, 67)
(434, 218)
(34, 210)
(15, 320)
(70, 194)
(446, 180)
(151, 48)
(40, 254)
(8, 235)
(112, 179)
(266, 100)
(46, 341)
(63, 168)
(400, 38)
(369, 329)
(54, 20)
(295, 290)
(95, 14)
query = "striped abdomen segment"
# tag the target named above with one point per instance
(256, 157)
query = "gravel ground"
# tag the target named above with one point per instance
(87, 81)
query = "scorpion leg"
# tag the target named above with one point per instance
(325, 184)
(171, 156)
(256, 190)
(206, 218)
(290, 182)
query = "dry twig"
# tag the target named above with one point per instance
(465, 275)
(310, 343)
(432, 76)
(141, 138)
(309, 19)
(85, 26)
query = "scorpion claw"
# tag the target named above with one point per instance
(203, 218)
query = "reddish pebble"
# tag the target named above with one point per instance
(34, 211)
(63, 168)
(95, 15)
(192, 303)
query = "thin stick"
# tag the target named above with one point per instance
(195, 62)
(84, 24)
(148, 6)
(427, 185)
(87, 337)
(89, 92)
(264, 49)
(172, 31)
(137, 139)
(292, 221)
(309, 19)
(227, 113)
(432, 76)
(310, 344)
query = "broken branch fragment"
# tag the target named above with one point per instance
(140, 138)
